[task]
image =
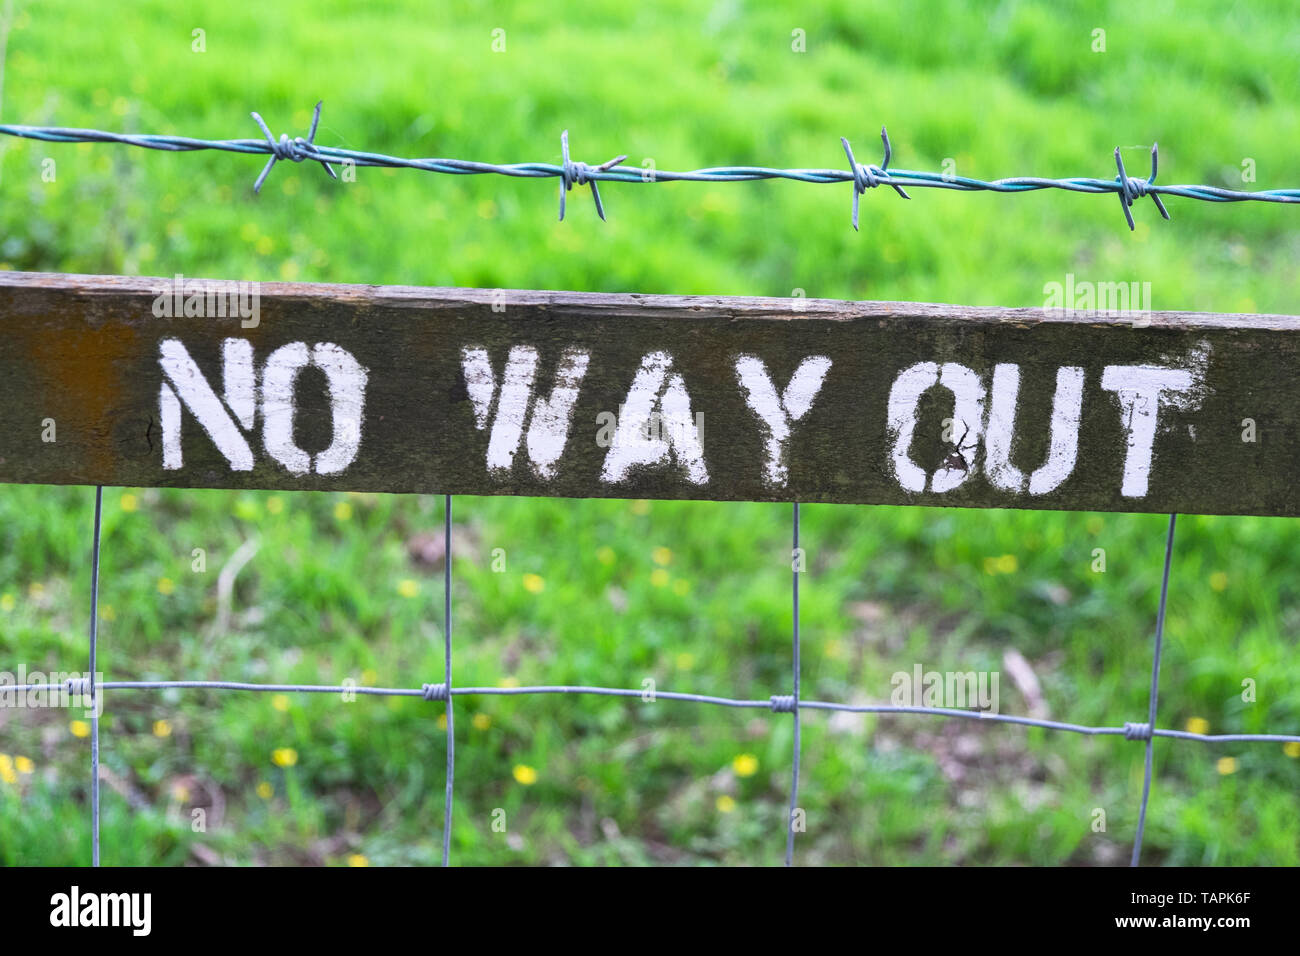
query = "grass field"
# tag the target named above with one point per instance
(693, 595)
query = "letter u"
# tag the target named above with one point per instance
(1063, 439)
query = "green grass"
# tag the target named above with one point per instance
(1012, 91)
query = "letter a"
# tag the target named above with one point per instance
(655, 391)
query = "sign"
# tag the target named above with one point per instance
(197, 383)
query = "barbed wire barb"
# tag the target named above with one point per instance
(1132, 189)
(868, 177)
(296, 149)
(579, 174)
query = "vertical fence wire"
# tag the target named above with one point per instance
(94, 708)
(796, 561)
(1155, 685)
(446, 665)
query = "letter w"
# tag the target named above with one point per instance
(186, 384)
(548, 426)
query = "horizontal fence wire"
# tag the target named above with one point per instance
(573, 173)
(777, 704)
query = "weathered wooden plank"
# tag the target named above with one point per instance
(118, 381)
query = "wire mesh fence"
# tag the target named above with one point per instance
(90, 688)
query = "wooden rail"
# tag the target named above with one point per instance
(219, 384)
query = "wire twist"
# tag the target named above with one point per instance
(1136, 731)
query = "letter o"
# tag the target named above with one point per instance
(346, 380)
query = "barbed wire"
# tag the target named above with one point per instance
(573, 173)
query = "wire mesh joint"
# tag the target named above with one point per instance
(782, 703)
(434, 691)
(1136, 731)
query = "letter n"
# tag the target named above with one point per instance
(184, 385)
